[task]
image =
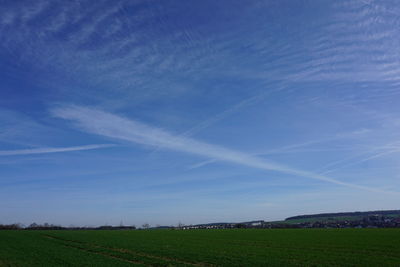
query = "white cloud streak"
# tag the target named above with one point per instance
(46, 150)
(374, 156)
(292, 148)
(228, 112)
(117, 127)
(221, 116)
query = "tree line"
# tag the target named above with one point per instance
(47, 226)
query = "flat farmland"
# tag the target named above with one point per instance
(234, 247)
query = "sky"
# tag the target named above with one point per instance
(167, 112)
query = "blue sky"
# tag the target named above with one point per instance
(197, 111)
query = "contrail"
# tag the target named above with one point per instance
(224, 114)
(46, 150)
(117, 127)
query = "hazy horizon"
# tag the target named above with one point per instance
(162, 112)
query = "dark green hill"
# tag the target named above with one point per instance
(341, 216)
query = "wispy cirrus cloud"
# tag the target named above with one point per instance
(104, 45)
(113, 47)
(356, 44)
(117, 127)
(46, 150)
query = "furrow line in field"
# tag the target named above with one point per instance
(129, 251)
(134, 253)
(107, 255)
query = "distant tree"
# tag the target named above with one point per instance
(145, 226)
(240, 225)
(14, 226)
(33, 225)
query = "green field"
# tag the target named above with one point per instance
(236, 247)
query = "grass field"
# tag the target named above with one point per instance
(236, 247)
